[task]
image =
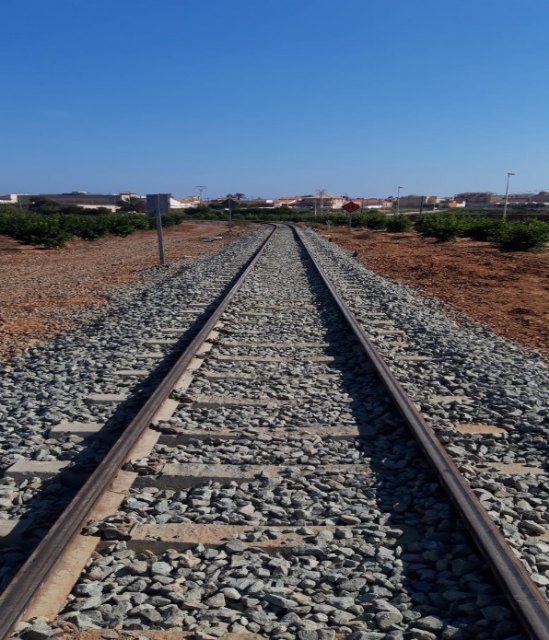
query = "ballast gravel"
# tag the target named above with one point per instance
(51, 383)
(349, 582)
(458, 372)
(392, 559)
(264, 449)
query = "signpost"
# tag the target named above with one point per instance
(159, 203)
(229, 204)
(350, 207)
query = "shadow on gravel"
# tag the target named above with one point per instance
(441, 574)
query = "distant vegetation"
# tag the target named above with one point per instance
(46, 223)
(516, 235)
(399, 223)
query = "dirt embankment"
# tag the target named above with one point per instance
(506, 291)
(41, 288)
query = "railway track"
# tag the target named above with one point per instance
(271, 488)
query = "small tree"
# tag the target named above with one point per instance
(443, 228)
(399, 223)
(375, 220)
(522, 235)
(45, 206)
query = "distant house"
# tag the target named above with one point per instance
(326, 201)
(184, 203)
(374, 203)
(9, 198)
(81, 199)
(415, 202)
(480, 198)
(289, 201)
(452, 203)
(489, 199)
(529, 198)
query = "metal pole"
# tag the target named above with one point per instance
(509, 174)
(320, 193)
(398, 200)
(159, 232)
(200, 188)
(230, 214)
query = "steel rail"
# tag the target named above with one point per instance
(522, 593)
(26, 582)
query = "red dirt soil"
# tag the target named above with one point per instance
(41, 288)
(506, 291)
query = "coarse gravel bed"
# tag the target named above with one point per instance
(51, 382)
(263, 449)
(335, 583)
(408, 569)
(389, 516)
(467, 375)
(396, 547)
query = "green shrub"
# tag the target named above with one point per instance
(89, 228)
(124, 224)
(334, 218)
(54, 230)
(375, 220)
(34, 229)
(521, 236)
(44, 206)
(6, 208)
(398, 223)
(422, 221)
(169, 219)
(481, 228)
(442, 227)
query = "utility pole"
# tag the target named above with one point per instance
(200, 188)
(398, 200)
(509, 174)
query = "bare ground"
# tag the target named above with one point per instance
(506, 291)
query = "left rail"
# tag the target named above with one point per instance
(27, 581)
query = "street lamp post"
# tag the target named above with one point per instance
(509, 174)
(398, 200)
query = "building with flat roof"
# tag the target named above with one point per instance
(75, 198)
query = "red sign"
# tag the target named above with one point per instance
(351, 207)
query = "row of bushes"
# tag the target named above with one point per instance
(519, 235)
(55, 231)
(509, 236)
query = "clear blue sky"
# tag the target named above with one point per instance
(274, 97)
